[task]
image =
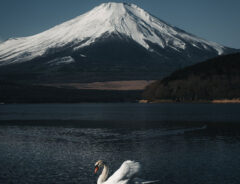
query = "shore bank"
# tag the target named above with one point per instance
(219, 101)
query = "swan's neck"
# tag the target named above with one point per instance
(104, 175)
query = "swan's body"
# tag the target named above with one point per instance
(124, 175)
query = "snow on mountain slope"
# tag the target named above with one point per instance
(119, 18)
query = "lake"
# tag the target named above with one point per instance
(175, 143)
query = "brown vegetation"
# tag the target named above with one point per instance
(107, 85)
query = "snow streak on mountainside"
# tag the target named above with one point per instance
(108, 18)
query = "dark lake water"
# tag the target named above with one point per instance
(175, 143)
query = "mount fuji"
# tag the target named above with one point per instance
(113, 41)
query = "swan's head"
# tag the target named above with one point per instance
(98, 165)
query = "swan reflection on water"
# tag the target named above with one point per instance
(126, 174)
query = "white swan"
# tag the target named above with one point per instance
(124, 175)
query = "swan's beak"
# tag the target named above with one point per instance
(96, 169)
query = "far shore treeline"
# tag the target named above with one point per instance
(11, 92)
(215, 79)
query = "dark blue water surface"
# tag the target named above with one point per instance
(122, 111)
(175, 143)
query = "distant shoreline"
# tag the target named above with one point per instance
(226, 101)
(143, 101)
(216, 101)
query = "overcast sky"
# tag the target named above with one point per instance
(214, 20)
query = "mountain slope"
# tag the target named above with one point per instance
(216, 78)
(113, 36)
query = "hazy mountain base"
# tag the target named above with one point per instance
(216, 80)
(112, 57)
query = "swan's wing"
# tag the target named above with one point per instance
(125, 173)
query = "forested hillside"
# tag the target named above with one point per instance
(217, 78)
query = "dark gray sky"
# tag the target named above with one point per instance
(215, 20)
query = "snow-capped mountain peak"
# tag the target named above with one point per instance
(118, 18)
